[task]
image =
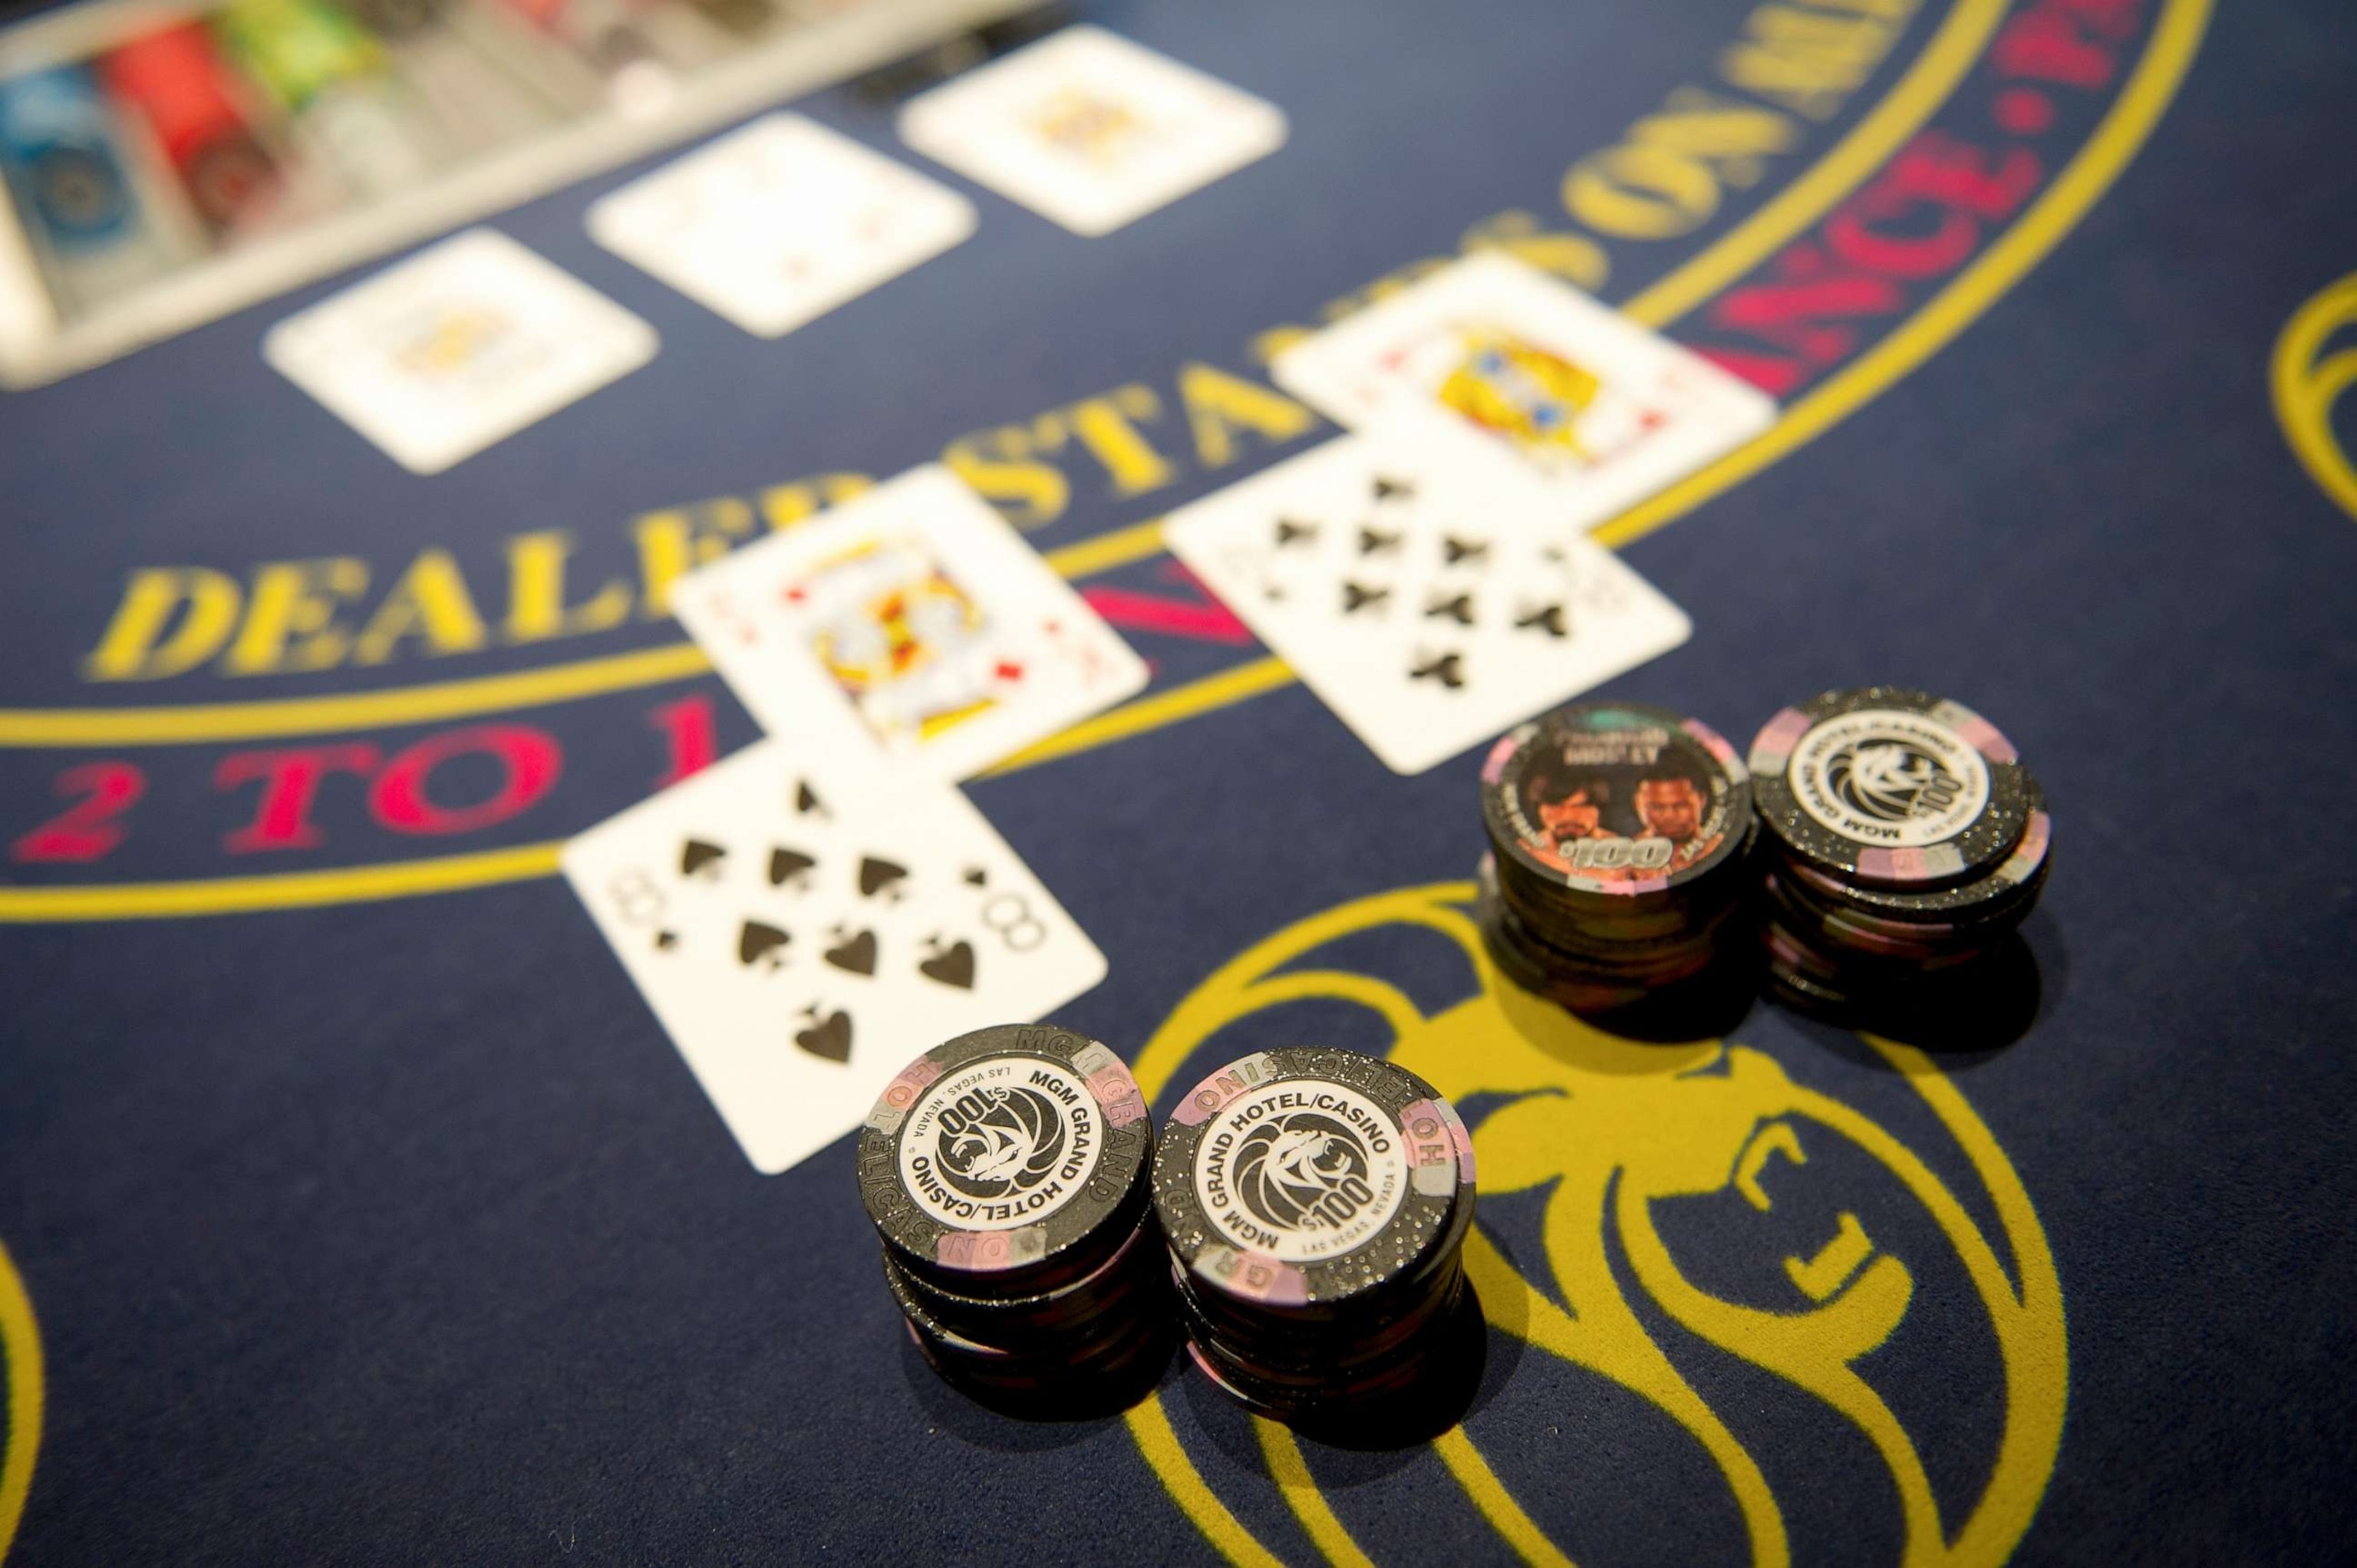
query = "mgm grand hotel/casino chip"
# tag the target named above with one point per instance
(1006, 1172)
(1907, 843)
(1315, 1202)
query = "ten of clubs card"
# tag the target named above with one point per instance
(911, 624)
(1090, 129)
(1608, 412)
(779, 222)
(1425, 587)
(460, 346)
(801, 928)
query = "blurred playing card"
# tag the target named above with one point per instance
(779, 222)
(1091, 129)
(1606, 410)
(458, 346)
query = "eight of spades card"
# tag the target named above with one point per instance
(1608, 410)
(803, 926)
(1425, 587)
(911, 624)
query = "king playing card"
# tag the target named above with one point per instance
(1606, 411)
(911, 624)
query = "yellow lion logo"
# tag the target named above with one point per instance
(1611, 1135)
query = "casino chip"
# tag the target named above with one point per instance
(1583, 981)
(1883, 787)
(1619, 837)
(1907, 845)
(1316, 1203)
(1008, 1173)
(1111, 1330)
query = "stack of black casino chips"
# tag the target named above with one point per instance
(1316, 1203)
(1618, 835)
(1009, 1172)
(1908, 843)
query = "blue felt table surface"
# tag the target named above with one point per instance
(395, 1231)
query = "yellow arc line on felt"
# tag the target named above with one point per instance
(276, 718)
(280, 890)
(1954, 50)
(2175, 39)
(1149, 1426)
(1514, 1527)
(2304, 388)
(20, 1433)
(1106, 551)
(1926, 85)
(1291, 1472)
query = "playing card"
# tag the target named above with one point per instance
(912, 624)
(779, 222)
(1608, 412)
(1426, 588)
(802, 927)
(1090, 129)
(460, 346)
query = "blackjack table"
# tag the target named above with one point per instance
(355, 1208)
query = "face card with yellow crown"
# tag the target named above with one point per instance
(460, 347)
(912, 625)
(1607, 411)
(1090, 129)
